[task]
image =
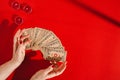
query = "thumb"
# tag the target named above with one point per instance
(26, 42)
(49, 69)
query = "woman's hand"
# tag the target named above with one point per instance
(49, 72)
(18, 56)
(19, 45)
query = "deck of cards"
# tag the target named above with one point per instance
(47, 42)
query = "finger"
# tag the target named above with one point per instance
(17, 33)
(18, 41)
(49, 69)
(62, 65)
(21, 32)
(26, 42)
(24, 37)
(57, 71)
(16, 44)
(60, 69)
(51, 75)
(16, 37)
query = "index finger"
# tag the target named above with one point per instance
(61, 68)
(16, 34)
(57, 71)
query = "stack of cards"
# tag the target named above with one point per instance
(47, 42)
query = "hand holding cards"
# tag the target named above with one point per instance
(47, 42)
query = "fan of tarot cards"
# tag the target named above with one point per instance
(47, 42)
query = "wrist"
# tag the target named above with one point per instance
(14, 62)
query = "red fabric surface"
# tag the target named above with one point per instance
(107, 7)
(93, 44)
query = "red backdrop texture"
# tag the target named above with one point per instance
(89, 30)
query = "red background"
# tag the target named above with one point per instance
(89, 30)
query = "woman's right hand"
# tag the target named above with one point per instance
(49, 72)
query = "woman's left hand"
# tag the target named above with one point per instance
(19, 45)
